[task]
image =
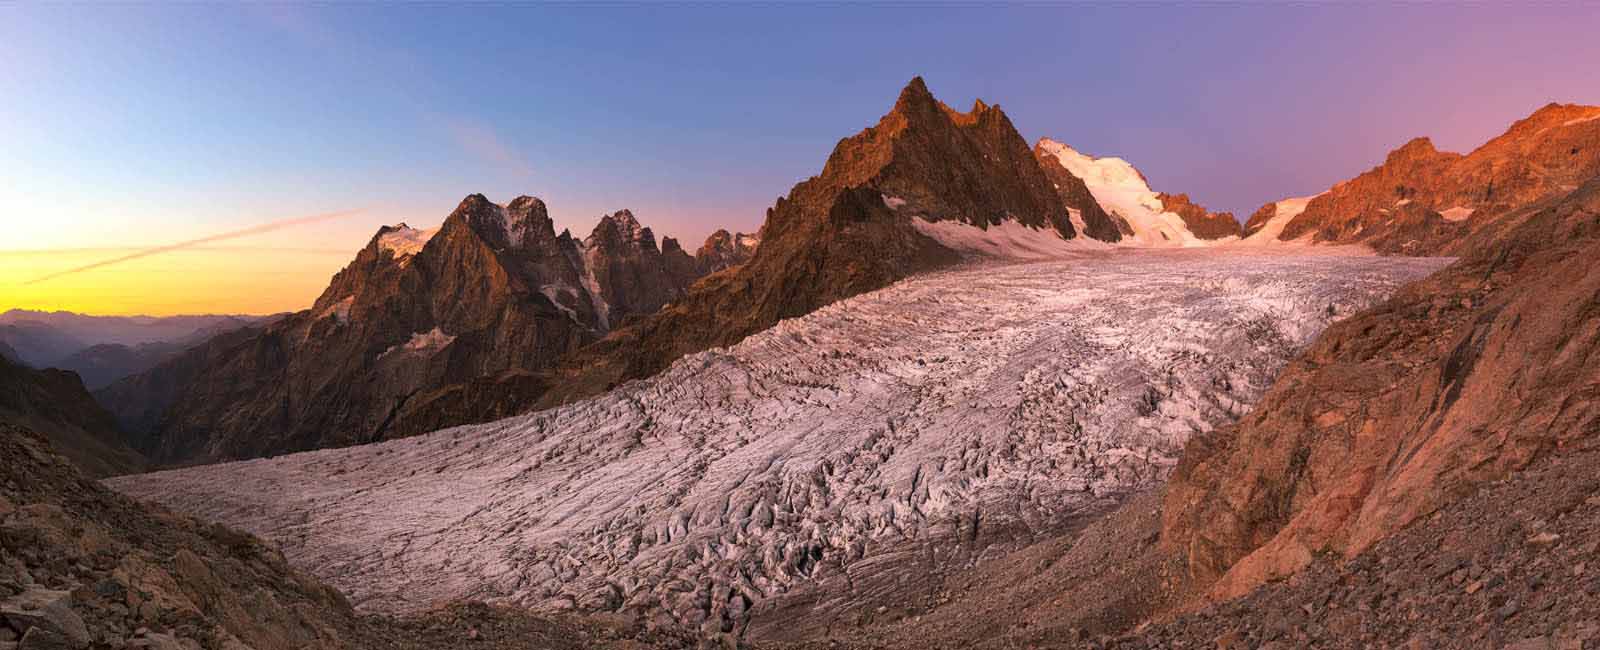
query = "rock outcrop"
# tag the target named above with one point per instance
(423, 329)
(724, 250)
(1461, 379)
(1422, 201)
(54, 403)
(1204, 223)
(1510, 566)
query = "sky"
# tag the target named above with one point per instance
(131, 126)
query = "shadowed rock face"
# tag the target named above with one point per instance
(845, 231)
(1461, 379)
(421, 330)
(1422, 201)
(54, 403)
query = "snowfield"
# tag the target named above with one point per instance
(994, 397)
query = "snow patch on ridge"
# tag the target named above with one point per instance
(430, 341)
(1121, 190)
(555, 293)
(404, 241)
(1078, 225)
(1581, 120)
(340, 311)
(1010, 240)
(591, 284)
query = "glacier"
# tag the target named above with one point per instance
(966, 411)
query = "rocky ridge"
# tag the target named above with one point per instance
(853, 228)
(421, 330)
(1422, 201)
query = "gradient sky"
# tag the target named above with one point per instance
(125, 127)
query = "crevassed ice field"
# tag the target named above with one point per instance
(965, 410)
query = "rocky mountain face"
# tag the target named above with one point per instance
(83, 567)
(724, 250)
(1462, 379)
(54, 403)
(1422, 201)
(855, 227)
(416, 333)
(1202, 222)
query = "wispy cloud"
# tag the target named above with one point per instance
(157, 250)
(483, 142)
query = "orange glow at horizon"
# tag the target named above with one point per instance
(197, 280)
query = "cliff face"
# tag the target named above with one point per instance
(1422, 201)
(1461, 379)
(421, 330)
(848, 230)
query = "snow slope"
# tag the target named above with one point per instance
(1282, 213)
(1121, 190)
(404, 240)
(964, 412)
(1009, 240)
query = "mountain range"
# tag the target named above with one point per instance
(959, 391)
(423, 329)
(925, 188)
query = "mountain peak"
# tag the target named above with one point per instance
(516, 224)
(915, 98)
(1417, 148)
(621, 227)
